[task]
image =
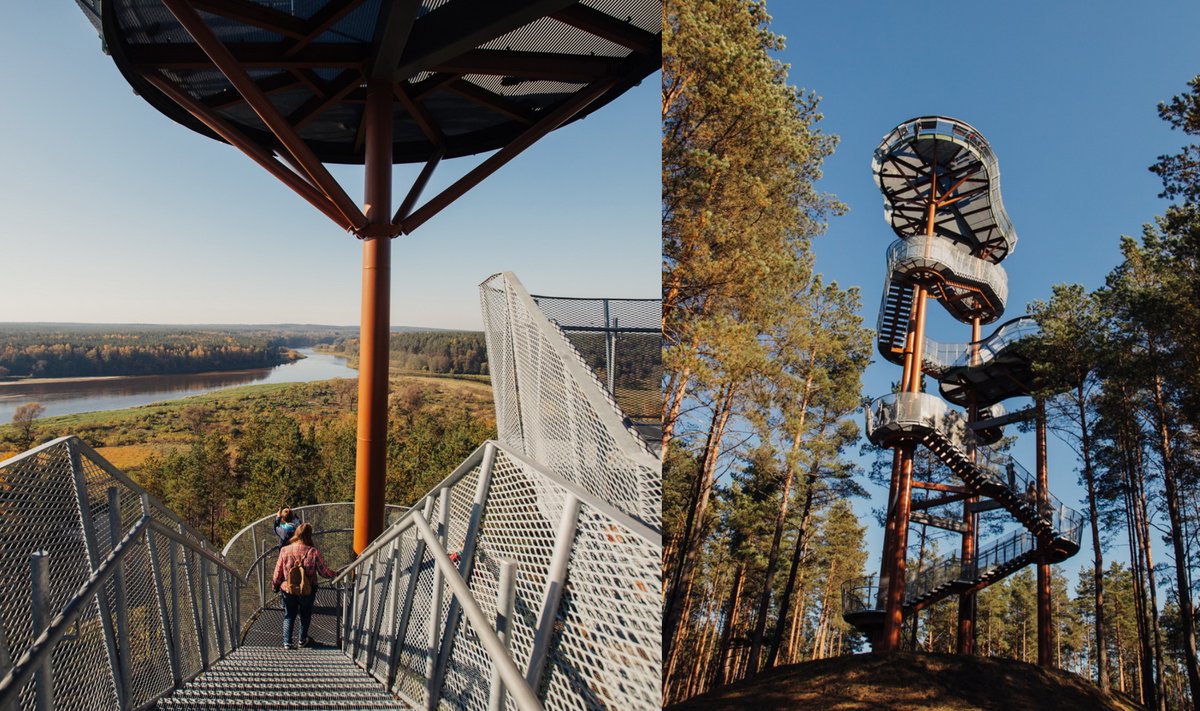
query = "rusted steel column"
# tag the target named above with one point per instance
(894, 611)
(895, 559)
(1045, 633)
(967, 602)
(371, 460)
(885, 560)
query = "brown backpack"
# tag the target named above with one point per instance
(298, 581)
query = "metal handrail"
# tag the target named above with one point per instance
(38, 653)
(109, 469)
(514, 682)
(923, 414)
(400, 622)
(923, 250)
(245, 530)
(398, 528)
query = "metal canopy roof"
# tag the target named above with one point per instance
(469, 75)
(290, 78)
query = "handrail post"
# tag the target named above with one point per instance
(177, 631)
(414, 575)
(202, 583)
(114, 531)
(506, 598)
(435, 606)
(608, 346)
(385, 601)
(612, 374)
(160, 594)
(43, 678)
(93, 551)
(362, 603)
(556, 578)
(237, 611)
(213, 601)
(466, 566)
(194, 595)
(262, 568)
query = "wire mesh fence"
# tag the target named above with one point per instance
(554, 409)
(102, 589)
(579, 583)
(621, 341)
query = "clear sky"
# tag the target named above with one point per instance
(110, 212)
(1065, 92)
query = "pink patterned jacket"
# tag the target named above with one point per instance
(300, 554)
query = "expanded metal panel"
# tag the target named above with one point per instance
(130, 623)
(590, 639)
(565, 418)
(607, 648)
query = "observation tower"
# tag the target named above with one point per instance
(941, 187)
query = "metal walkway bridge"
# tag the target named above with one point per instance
(529, 578)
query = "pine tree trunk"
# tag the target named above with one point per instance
(1133, 451)
(797, 554)
(1097, 552)
(691, 541)
(723, 673)
(1186, 616)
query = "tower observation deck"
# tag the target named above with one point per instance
(941, 185)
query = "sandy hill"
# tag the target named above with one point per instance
(906, 681)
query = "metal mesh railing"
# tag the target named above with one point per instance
(924, 254)
(253, 550)
(552, 408)
(508, 587)
(621, 341)
(925, 415)
(864, 594)
(107, 599)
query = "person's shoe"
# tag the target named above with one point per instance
(305, 642)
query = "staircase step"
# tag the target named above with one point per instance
(263, 678)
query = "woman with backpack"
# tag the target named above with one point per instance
(296, 579)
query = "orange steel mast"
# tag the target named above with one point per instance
(966, 601)
(371, 456)
(895, 553)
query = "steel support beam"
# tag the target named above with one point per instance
(553, 120)
(371, 460)
(228, 65)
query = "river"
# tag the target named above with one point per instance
(67, 397)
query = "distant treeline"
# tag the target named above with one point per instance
(454, 352)
(89, 351)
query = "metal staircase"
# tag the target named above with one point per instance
(257, 678)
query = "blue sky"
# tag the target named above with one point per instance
(113, 213)
(1065, 92)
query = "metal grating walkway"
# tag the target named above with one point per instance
(266, 629)
(262, 678)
